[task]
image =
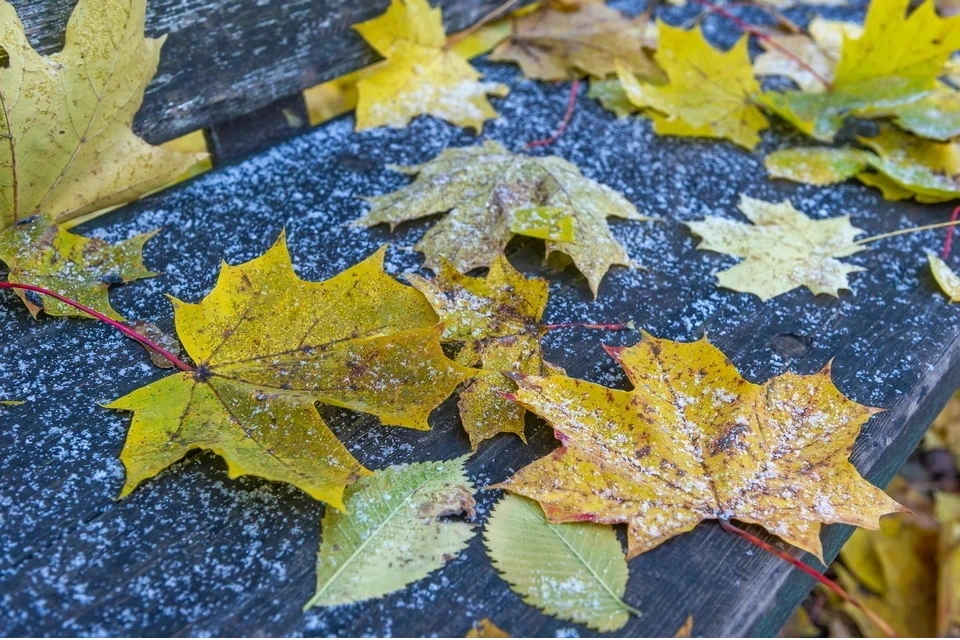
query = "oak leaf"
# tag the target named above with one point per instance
(573, 570)
(693, 441)
(421, 74)
(710, 93)
(782, 249)
(268, 346)
(496, 320)
(397, 528)
(483, 189)
(559, 44)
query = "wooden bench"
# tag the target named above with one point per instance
(192, 552)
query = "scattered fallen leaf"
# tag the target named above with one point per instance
(612, 97)
(421, 75)
(781, 250)
(693, 441)
(268, 346)
(486, 628)
(819, 51)
(573, 571)
(559, 44)
(38, 252)
(894, 62)
(948, 280)
(709, 93)
(947, 511)
(686, 629)
(935, 116)
(396, 530)
(482, 189)
(496, 320)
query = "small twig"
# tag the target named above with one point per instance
(613, 326)
(948, 241)
(810, 571)
(496, 13)
(125, 330)
(900, 232)
(571, 104)
(749, 28)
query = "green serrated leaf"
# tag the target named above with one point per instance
(573, 571)
(392, 533)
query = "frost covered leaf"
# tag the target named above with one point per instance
(894, 62)
(935, 116)
(483, 188)
(68, 148)
(268, 346)
(948, 280)
(396, 530)
(817, 165)
(496, 319)
(557, 44)
(40, 253)
(486, 628)
(421, 75)
(819, 51)
(783, 249)
(710, 93)
(693, 441)
(573, 571)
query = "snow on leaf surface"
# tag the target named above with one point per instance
(268, 346)
(693, 441)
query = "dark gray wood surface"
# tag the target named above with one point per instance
(227, 58)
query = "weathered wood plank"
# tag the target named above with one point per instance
(227, 58)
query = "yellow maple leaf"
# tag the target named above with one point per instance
(560, 44)
(818, 51)
(948, 280)
(268, 346)
(694, 441)
(947, 512)
(421, 74)
(710, 93)
(496, 320)
(783, 249)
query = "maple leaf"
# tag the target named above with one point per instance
(496, 319)
(710, 93)
(269, 346)
(947, 512)
(485, 188)
(574, 571)
(693, 441)
(612, 97)
(396, 530)
(894, 62)
(559, 44)
(783, 249)
(948, 280)
(486, 628)
(421, 75)
(818, 51)
(40, 253)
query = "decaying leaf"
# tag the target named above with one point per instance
(559, 44)
(40, 253)
(710, 92)
(894, 62)
(948, 280)
(693, 441)
(268, 346)
(483, 188)
(496, 320)
(819, 51)
(160, 337)
(68, 147)
(781, 250)
(421, 74)
(396, 530)
(486, 628)
(904, 166)
(573, 571)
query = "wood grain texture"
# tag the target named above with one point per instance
(227, 58)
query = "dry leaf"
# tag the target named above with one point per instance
(947, 511)
(948, 280)
(694, 441)
(496, 320)
(268, 346)
(559, 44)
(687, 105)
(484, 188)
(159, 337)
(486, 628)
(421, 75)
(783, 249)
(686, 629)
(819, 51)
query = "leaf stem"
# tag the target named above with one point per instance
(900, 232)
(613, 326)
(948, 241)
(496, 13)
(125, 330)
(571, 104)
(810, 571)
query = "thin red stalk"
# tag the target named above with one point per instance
(613, 326)
(810, 571)
(571, 104)
(125, 330)
(948, 241)
(749, 28)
